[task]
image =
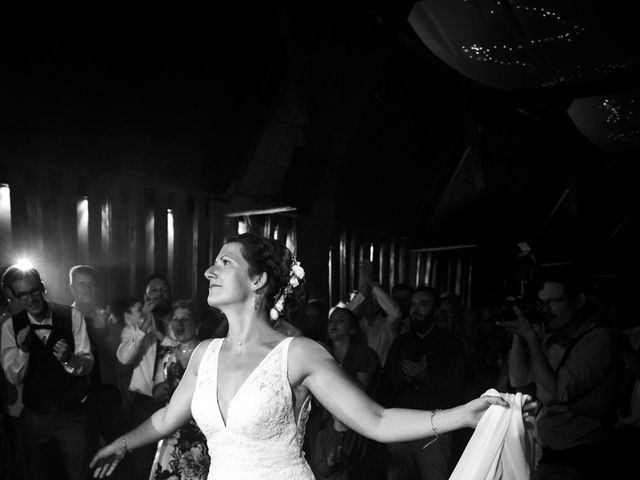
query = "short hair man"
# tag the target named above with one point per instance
(106, 407)
(576, 368)
(45, 347)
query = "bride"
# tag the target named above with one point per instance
(250, 391)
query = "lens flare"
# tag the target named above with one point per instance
(24, 264)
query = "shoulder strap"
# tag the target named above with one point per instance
(566, 356)
(572, 345)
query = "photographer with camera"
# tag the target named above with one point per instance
(576, 368)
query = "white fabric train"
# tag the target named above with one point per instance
(496, 450)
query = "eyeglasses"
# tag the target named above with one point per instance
(34, 292)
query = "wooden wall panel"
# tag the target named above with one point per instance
(34, 219)
(160, 206)
(183, 247)
(96, 197)
(52, 265)
(118, 260)
(204, 240)
(19, 220)
(128, 246)
(122, 242)
(67, 221)
(137, 244)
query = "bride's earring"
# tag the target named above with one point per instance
(254, 303)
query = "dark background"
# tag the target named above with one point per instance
(404, 142)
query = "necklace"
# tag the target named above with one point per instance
(232, 341)
(186, 348)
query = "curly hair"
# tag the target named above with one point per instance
(188, 304)
(273, 258)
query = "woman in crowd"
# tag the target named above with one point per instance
(182, 455)
(250, 391)
(349, 349)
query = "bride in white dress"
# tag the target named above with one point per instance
(250, 392)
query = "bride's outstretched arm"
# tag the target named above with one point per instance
(315, 369)
(161, 424)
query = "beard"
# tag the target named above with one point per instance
(419, 323)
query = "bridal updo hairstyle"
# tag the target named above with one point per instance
(275, 259)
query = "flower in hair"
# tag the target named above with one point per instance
(296, 273)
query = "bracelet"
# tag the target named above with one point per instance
(124, 442)
(433, 427)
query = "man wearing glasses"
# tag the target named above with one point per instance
(45, 348)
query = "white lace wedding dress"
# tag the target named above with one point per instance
(261, 439)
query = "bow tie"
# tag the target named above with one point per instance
(41, 327)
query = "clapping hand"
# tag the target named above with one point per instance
(415, 370)
(366, 280)
(334, 456)
(61, 350)
(24, 339)
(148, 321)
(108, 315)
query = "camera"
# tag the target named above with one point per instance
(529, 305)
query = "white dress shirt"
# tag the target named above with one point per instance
(14, 360)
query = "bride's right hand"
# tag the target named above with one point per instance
(108, 458)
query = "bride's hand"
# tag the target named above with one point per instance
(108, 458)
(476, 408)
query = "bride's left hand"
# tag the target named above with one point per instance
(476, 408)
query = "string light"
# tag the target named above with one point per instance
(616, 111)
(502, 54)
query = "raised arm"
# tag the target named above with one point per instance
(518, 362)
(316, 370)
(161, 424)
(131, 339)
(543, 374)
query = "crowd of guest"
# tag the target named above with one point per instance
(79, 376)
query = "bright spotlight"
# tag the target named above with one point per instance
(24, 264)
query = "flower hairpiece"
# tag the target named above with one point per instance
(296, 274)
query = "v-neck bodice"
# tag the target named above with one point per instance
(255, 371)
(261, 437)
